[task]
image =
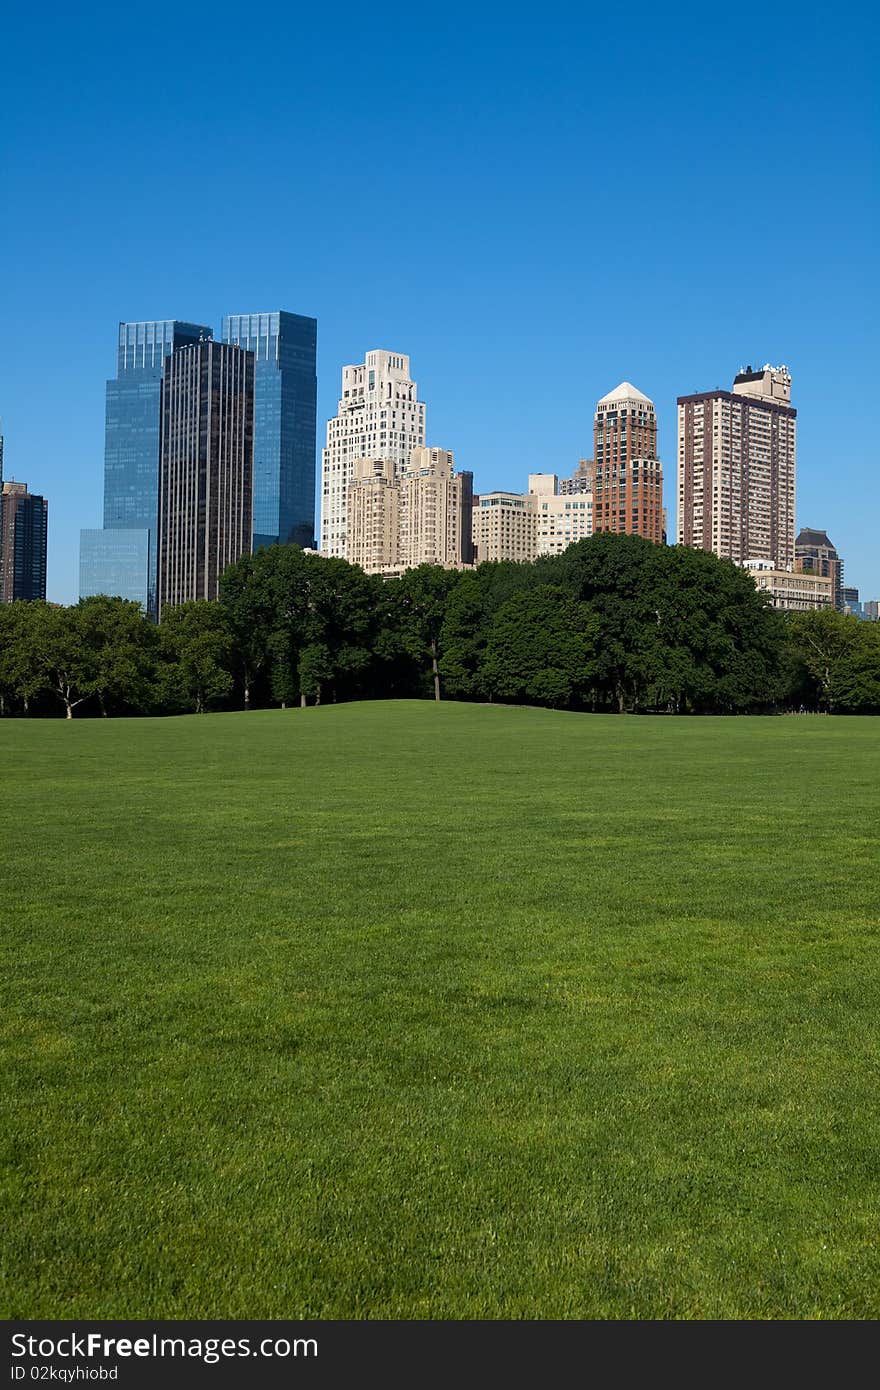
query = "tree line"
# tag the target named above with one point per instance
(612, 624)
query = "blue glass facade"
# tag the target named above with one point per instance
(118, 562)
(131, 454)
(285, 415)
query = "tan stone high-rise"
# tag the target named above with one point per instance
(379, 416)
(418, 516)
(374, 515)
(435, 511)
(628, 483)
(736, 469)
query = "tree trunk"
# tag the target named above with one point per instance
(101, 703)
(198, 702)
(27, 704)
(247, 696)
(284, 704)
(318, 696)
(69, 708)
(302, 699)
(621, 700)
(434, 668)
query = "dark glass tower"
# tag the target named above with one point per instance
(23, 527)
(122, 560)
(207, 460)
(285, 412)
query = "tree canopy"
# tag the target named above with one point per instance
(614, 623)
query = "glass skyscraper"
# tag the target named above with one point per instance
(112, 561)
(285, 411)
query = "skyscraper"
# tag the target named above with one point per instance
(122, 560)
(436, 507)
(285, 412)
(379, 416)
(628, 481)
(736, 469)
(207, 456)
(814, 553)
(23, 528)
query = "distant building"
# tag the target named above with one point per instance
(871, 609)
(582, 479)
(418, 516)
(850, 602)
(814, 553)
(736, 469)
(23, 529)
(206, 482)
(628, 483)
(505, 527)
(562, 518)
(285, 384)
(790, 591)
(379, 416)
(131, 464)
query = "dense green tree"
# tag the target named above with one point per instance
(541, 650)
(119, 644)
(65, 657)
(22, 675)
(711, 640)
(315, 669)
(197, 651)
(613, 574)
(247, 596)
(421, 597)
(835, 660)
(470, 608)
(285, 600)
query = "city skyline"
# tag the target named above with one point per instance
(527, 288)
(396, 368)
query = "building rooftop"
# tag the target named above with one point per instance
(625, 392)
(808, 537)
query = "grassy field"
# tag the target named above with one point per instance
(415, 1011)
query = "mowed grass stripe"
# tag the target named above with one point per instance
(403, 1011)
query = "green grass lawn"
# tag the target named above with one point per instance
(398, 1010)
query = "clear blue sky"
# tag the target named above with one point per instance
(534, 205)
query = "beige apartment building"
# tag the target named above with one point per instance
(505, 527)
(374, 515)
(736, 469)
(435, 511)
(420, 515)
(563, 518)
(793, 592)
